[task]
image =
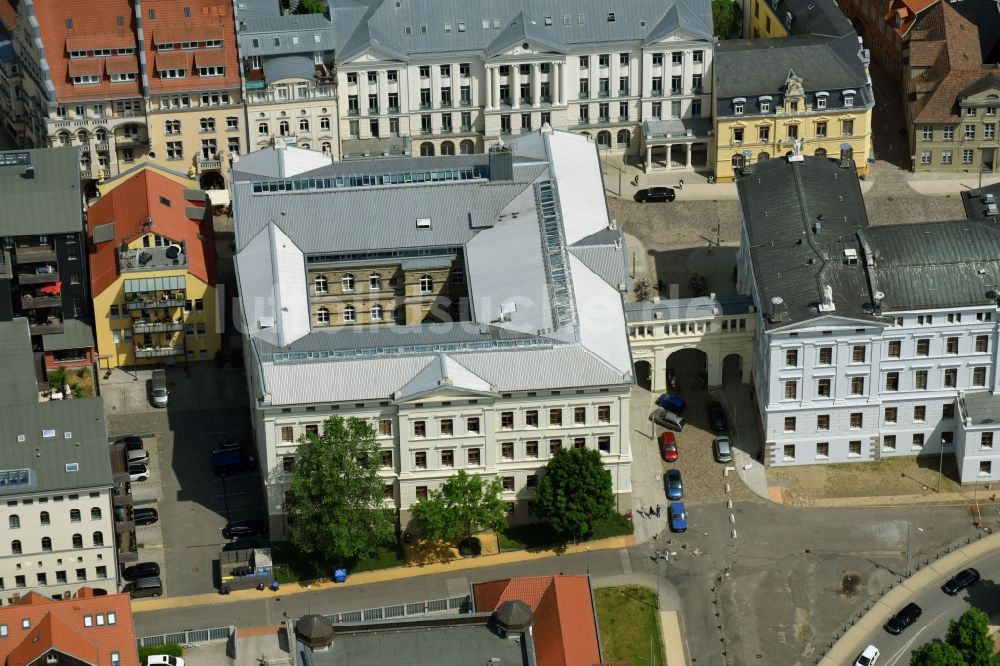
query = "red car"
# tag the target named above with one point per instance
(668, 446)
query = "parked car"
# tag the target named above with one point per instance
(717, 417)
(137, 456)
(868, 657)
(678, 519)
(671, 403)
(232, 461)
(145, 587)
(145, 516)
(138, 472)
(904, 618)
(230, 444)
(141, 570)
(668, 446)
(723, 449)
(960, 581)
(164, 660)
(668, 419)
(131, 442)
(244, 528)
(673, 484)
(654, 194)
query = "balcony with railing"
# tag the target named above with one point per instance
(35, 254)
(158, 351)
(43, 274)
(41, 299)
(148, 302)
(131, 141)
(656, 92)
(47, 326)
(152, 258)
(208, 163)
(584, 94)
(167, 326)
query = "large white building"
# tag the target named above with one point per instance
(55, 485)
(427, 78)
(867, 336)
(470, 307)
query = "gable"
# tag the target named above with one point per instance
(828, 323)
(372, 54)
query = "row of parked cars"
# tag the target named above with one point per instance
(143, 577)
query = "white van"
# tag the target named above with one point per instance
(159, 388)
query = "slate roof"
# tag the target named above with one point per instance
(59, 626)
(944, 49)
(981, 406)
(77, 334)
(816, 17)
(130, 204)
(781, 202)
(48, 203)
(975, 204)
(565, 626)
(282, 68)
(559, 323)
(754, 67)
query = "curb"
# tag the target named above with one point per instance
(379, 576)
(851, 643)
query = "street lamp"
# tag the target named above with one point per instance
(919, 529)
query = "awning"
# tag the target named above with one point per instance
(122, 65)
(93, 42)
(193, 33)
(171, 60)
(212, 58)
(283, 68)
(85, 67)
(218, 197)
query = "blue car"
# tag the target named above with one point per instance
(671, 403)
(672, 483)
(678, 519)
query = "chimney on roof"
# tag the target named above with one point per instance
(501, 163)
(777, 309)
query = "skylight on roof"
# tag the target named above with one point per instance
(423, 223)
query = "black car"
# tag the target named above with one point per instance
(960, 581)
(654, 194)
(904, 618)
(141, 570)
(131, 442)
(145, 516)
(239, 529)
(717, 417)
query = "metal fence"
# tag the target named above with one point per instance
(456, 605)
(188, 637)
(451, 605)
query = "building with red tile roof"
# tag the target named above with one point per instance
(564, 630)
(885, 28)
(153, 272)
(85, 629)
(952, 98)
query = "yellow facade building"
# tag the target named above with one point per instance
(153, 273)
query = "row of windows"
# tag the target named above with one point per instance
(969, 131)
(117, 310)
(765, 104)
(184, 101)
(348, 283)
(55, 498)
(285, 128)
(948, 156)
(857, 419)
(14, 520)
(206, 44)
(949, 379)
(204, 125)
(889, 444)
(97, 539)
(42, 579)
(894, 349)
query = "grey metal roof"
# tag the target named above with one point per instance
(609, 262)
(261, 22)
(286, 67)
(676, 128)
(754, 67)
(782, 202)
(56, 434)
(473, 26)
(688, 308)
(47, 203)
(981, 406)
(77, 334)
(935, 264)
(19, 385)
(976, 205)
(818, 17)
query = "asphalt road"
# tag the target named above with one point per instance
(939, 609)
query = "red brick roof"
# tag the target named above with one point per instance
(907, 10)
(208, 20)
(61, 626)
(129, 205)
(8, 14)
(94, 25)
(565, 628)
(947, 45)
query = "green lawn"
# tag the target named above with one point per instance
(540, 535)
(630, 627)
(292, 565)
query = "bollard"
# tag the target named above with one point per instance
(728, 489)
(734, 535)
(732, 518)
(729, 504)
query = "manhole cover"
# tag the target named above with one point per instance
(850, 584)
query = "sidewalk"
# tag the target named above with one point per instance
(852, 642)
(380, 575)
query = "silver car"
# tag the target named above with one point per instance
(723, 449)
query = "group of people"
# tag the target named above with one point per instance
(651, 512)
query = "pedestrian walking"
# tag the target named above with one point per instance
(659, 555)
(642, 510)
(657, 510)
(635, 181)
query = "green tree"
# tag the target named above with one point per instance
(936, 654)
(335, 505)
(575, 492)
(969, 634)
(727, 17)
(464, 505)
(311, 7)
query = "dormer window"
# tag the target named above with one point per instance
(738, 105)
(765, 104)
(821, 100)
(849, 98)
